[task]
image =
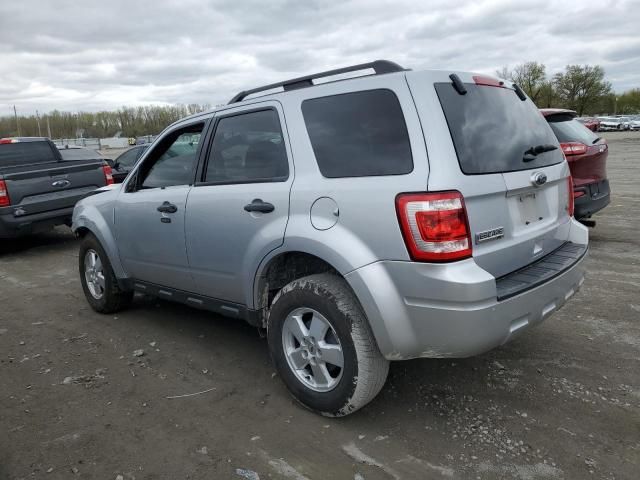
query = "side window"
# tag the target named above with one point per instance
(358, 134)
(248, 147)
(128, 158)
(172, 161)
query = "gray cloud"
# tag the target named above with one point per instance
(91, 55)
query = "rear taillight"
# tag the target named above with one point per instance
(434, 226)
(8, 140)
(573, 148)
(570, 203)
(5, 201)
(108, 174)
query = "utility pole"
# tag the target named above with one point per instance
(48, 128)
(38, 122)
(15, 113)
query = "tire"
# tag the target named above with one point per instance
(315, 300)
(107, 297)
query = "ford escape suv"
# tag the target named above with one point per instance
(390, 216)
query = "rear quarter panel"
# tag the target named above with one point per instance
(367, 228)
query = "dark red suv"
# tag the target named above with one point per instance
(587, 156)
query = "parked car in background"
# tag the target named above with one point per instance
(587, 155)
(608, 124)
(39, 187)
(407, 230)
(626, 122)
(123, 164)
(635, 122)
(591, 123)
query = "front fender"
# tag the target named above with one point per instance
(93, 219)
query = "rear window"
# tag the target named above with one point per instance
(358, 134)
(569, 130)
(492, 128)
(26, 153)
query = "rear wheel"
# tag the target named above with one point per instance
(98, 280)
(323, 347)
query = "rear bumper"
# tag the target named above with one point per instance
(12, 226)
(452, 310)
(596, 197)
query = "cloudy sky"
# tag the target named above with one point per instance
(91, 55)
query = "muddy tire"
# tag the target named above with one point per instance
(98, 280)
(322, 346)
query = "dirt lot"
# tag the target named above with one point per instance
(561, 402)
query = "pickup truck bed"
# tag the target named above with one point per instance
(40, 188)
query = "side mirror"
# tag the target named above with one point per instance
(116, 165)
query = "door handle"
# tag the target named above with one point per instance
(167, 207)
(259, 206)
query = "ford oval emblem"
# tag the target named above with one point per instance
(61, 183)
(539, 178)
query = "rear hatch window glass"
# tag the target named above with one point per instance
(26, 153)
(569, 130)
(358, 134)
(492, 128)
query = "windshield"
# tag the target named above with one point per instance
(492, 129)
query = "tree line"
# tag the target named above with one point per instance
(126, 121)
(582, 88)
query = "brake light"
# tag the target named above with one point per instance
(573, 148)
(5, 201)
(108, 174)
(8, 140)
(570, 202)
(488, 81)
(434, 226)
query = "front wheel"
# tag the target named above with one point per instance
(98, 280)
(323, 347)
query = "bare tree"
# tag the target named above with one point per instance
(504, 72)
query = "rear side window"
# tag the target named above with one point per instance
(358, 134)
(248, 148)
(26, 153)
(128, 158)
(570, 130)
(492, 128)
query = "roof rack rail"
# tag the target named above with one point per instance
(379, 66)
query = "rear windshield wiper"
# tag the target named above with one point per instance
(596, 141)
(533, 152)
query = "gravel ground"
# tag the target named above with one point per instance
(90, 396)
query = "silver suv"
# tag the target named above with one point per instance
(390, 216)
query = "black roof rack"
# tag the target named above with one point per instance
(379, 66)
